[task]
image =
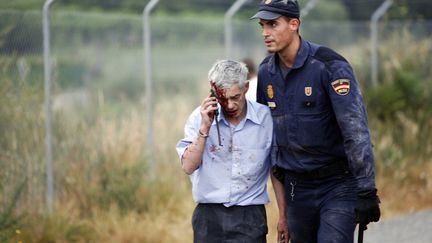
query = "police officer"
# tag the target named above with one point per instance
(324, 156)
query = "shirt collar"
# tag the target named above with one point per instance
(302, 54)
(251, 114)
(300, 59)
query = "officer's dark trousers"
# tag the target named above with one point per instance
(215, 223)
(321, 211)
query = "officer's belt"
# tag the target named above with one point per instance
(332, 169)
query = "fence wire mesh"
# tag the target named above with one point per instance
(98, 79)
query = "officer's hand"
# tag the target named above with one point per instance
(367, 209)
(283, 233)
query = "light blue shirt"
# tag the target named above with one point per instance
(235, 173)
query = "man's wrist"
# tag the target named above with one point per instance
(202, 134)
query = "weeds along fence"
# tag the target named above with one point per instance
(98, 100)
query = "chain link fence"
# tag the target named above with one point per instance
(98, 76)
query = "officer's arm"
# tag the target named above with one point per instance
(351, 116)
(350, 112)
(282, 226)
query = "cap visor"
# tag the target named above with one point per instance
(267, 15)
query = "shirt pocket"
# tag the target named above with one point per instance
(254, 163)
(312, 129)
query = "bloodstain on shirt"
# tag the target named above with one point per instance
(213, 148)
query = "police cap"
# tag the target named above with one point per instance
(273, 9)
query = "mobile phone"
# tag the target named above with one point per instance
(216, 113)
(213, 94)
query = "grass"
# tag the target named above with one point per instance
(105, 196)
(403, 173)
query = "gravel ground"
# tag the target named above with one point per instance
(412, 228)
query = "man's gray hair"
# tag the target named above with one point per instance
(226, 73)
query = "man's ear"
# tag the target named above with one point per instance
(246, 86)
(294, 24)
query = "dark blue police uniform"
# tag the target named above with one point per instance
(322, 138)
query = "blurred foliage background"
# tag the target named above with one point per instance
(351, 9)
(102, 188)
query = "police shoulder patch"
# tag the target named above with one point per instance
(341, 86)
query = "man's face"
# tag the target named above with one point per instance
(233, 101)
(278, 33)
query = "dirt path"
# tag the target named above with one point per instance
(412, 228)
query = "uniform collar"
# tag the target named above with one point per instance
(300, 59)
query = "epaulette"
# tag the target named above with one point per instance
(327, 55)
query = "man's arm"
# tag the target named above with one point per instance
(192, 157)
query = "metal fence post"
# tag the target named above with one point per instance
(149, 83)
(382, 9)
(309, 6)
(228, 25)
(48, 111)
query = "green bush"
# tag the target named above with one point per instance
(400, 107)
(408, 93)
